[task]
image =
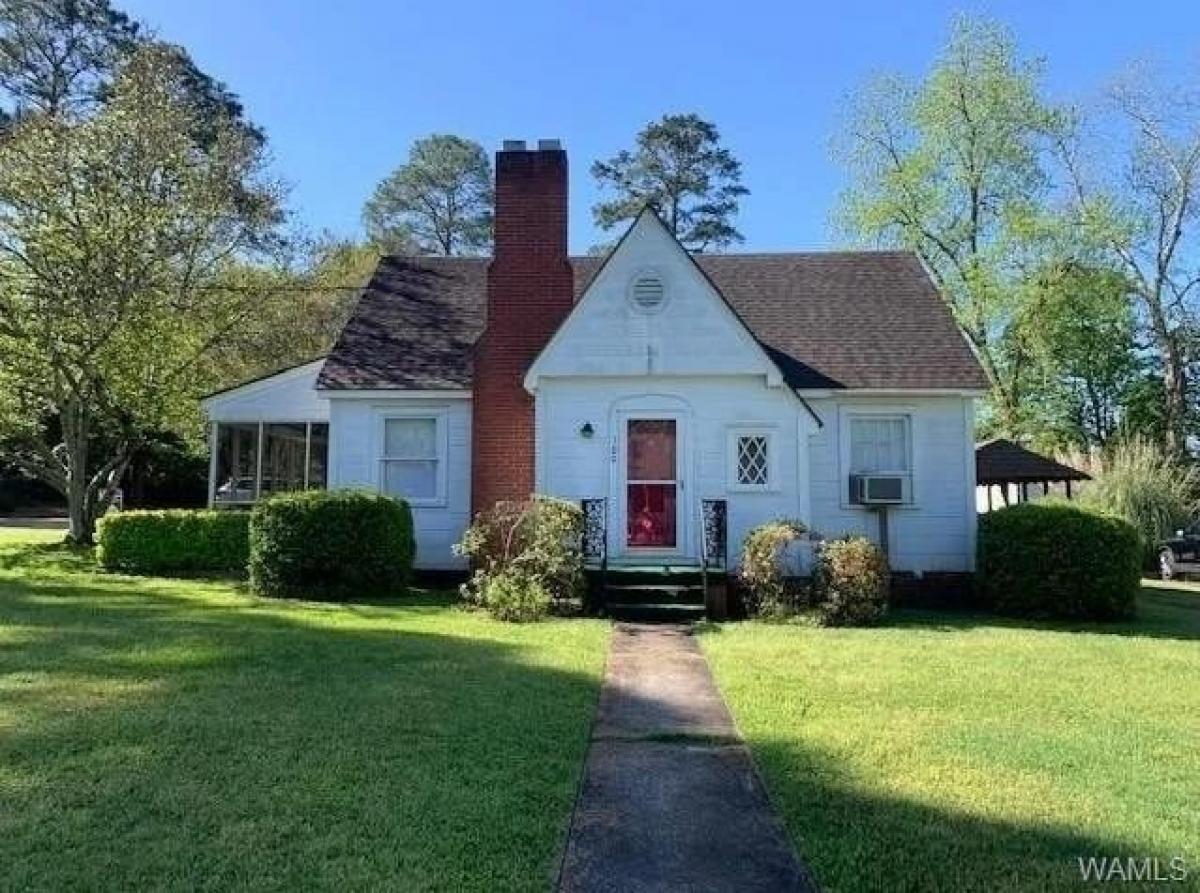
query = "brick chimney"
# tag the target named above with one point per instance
(530, 292)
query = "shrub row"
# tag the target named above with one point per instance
(849, 587)
(1057, 560)
(174, 541)
(317, 544)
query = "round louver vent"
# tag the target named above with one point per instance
(648, 291)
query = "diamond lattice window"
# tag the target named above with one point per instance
(752, 460)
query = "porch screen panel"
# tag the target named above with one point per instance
(237, 464)
(284, 451)
(651, 485)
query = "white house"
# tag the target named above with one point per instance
(662, 389)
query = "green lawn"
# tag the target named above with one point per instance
(950, 753)
(184, 735)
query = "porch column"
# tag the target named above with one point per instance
(214, 442)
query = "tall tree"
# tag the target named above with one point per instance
(953, 166)
(1080, 329)
(58, 55)
(117, 232)
(680, 168)
(438, 202)
(1143, 208)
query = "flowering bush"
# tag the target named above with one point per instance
(532, 543)
(763, 575)
(851, 583)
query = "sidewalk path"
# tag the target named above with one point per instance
(670, 799)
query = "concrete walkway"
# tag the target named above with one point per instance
(670, 799)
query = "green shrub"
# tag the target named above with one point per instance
(174, 541)
(1137, 481)
(535, 541)
(514, 596)
(330, 545)
(1055, 559)
(768, 591)
(851, 583)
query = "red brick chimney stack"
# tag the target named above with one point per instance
(530, 293)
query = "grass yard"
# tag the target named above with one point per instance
(951, 753)
(184, 735)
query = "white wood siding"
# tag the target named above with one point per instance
(286, 397)
(936, 532)
(355, 447)
(693, 333)
(572, 466)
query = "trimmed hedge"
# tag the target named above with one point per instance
(174, 541)
(330, 545)
(1056, 560)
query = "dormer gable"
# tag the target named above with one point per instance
(651, 310)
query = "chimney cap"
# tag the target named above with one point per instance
(549, 145)
(513, 146)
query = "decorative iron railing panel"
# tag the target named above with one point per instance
(595, 529)
(714, 519)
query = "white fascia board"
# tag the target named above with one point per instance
(890, 392)
(394, 394)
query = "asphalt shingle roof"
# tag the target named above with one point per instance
(862, 319)
(1001, 461)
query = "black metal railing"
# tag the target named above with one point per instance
(714, 533)
(595, 550)
(595, 530)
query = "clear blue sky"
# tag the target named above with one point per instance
(343, 88)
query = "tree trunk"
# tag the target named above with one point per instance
(1175, 400)
(74, 457)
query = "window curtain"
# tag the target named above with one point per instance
(879, 445)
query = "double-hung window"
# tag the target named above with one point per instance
(411, 463)
(882, 445)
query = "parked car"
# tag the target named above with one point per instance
(1180, 554)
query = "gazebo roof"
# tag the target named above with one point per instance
(1001, 461)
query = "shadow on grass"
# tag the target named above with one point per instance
(153, 737)
(1161, 614)
(854, 838)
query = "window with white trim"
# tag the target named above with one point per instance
(751, 453)
(880, 444)
(410, 465)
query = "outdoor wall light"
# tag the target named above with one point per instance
(587, 431)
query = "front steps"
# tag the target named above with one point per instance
(657, 592)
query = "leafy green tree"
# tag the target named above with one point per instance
(1080, 328)
(438, 202)
(117, 231)
(954, 167)
(1141, 205)
(58, 55)
(680, 168)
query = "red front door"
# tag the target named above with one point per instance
(651, 487)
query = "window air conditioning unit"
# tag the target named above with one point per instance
(878, 489)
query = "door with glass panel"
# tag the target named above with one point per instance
(652, 485)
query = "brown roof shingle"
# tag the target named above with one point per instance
(1001, 461)
(862, 319)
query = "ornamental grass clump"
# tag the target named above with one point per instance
(526, 555)
(1139, 482)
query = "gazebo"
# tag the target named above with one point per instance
(1001, 462)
